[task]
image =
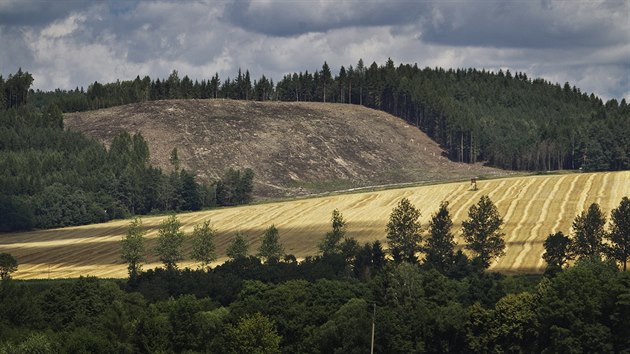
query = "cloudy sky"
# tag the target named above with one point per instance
(73, 43)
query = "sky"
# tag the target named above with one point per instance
(72, 43)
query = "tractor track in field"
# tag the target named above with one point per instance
(532, 206)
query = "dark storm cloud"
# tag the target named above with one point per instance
(38, 12)
(528, 24)
(73, 43)
(290, 18)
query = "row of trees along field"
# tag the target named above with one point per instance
(51, 177)
(327, 304)
(506, 119)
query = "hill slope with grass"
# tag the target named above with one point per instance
(293, 148)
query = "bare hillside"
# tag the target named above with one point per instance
(294, 148)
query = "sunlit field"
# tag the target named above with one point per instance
(532, 207)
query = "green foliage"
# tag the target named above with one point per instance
(369, 260)
(270, 248)
(557, 251)
(203, 247)
(132, 248)
(296, 306)
(576, 307)
(403, 232)
(510, 327)
(440, 244)
(169, 242)
(619, 236)
(238, 248)
(50, 177)
(35, 343)
(189, 194)
(582, 309)
(15, 214)
(254, 334)
(347, 331)
(235, 187)
(588, 233)
(482, 232)
(8, 265)
(16, 89)
(174, 159)
(331, 242)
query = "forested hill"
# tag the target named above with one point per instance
(506, 119)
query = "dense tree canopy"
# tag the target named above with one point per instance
(50, 177)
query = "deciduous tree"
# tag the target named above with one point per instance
(203, 248)
(8, 265)
(557, 253)
(403, 232)
(482, 231)
(170, 241)
(132, 248)
(271, 249)
(254, 334)
(238, 248)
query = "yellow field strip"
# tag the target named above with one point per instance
(532, 207)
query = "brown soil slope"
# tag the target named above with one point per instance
(293, 148)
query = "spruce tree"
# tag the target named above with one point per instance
(619, 236)
(588, 232)
(440, 243)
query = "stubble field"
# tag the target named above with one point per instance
(532, 207)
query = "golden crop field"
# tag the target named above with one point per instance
(532, 207)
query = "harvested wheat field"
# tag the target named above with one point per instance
(532, 207)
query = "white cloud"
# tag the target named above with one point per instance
(63, 28)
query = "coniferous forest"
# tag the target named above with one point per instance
(51, 177)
